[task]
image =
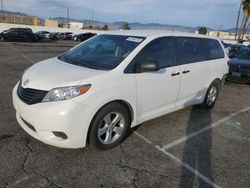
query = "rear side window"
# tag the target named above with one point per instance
(160, 50)
(190, 50)
(215, 50)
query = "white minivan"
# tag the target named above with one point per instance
(98, 90)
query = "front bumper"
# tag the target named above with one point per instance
(42, 119)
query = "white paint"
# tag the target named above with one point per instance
(183, 139)
(25, 178)
(177, 160)
(26, 57)
(201, 176)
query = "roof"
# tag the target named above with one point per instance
(155, 33)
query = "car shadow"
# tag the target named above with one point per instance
(197, 150)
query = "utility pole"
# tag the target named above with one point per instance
(92, 19)
(2, 5)
(68, 18)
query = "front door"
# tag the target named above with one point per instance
(157, 91)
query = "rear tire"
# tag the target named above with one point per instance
(109, 127)
(211, 96)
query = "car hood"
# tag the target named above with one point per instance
(53, 73)
(240, 63)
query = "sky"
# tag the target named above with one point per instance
(216, 14)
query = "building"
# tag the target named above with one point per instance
(226, 35)
(17, 19)
(78, 25)
(51, 23)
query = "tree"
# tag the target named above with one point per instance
(125, 26)
(202, 30)
(105, 27)
(238, 18)
(245, 5)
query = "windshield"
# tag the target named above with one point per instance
(245, 54)
(104, 52)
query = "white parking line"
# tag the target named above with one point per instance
(180, 162)
(26, 57)
(183, 139)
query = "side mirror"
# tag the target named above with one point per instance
(147, 66)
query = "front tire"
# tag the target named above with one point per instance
(211, 96)
(109, 127)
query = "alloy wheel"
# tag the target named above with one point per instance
(111, 128)
(212, 95)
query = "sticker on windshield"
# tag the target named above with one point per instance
(134, 39)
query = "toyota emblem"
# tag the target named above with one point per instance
(26, 82)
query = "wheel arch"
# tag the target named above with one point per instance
(218, 82)
(119, 101)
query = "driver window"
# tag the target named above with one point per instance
(161, 50)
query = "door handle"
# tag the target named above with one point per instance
(175, 73)
(186, 71)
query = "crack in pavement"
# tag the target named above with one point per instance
(6, 136)
(123, 151)
(52, 184)
(132, 168)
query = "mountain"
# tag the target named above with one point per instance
(157, 26)
(232, 30)
(117, 25)
(133, 25)
(88, 22)
(14, 13)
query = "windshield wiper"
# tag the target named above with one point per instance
(83, 64)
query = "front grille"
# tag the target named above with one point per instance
(30, 96)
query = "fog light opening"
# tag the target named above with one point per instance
(60, 135)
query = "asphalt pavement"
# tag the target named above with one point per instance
(188, 148)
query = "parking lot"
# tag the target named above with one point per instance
(188, 148)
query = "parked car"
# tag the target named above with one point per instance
(235, 49)
(83, 36)
(66, 36)
(19, 35)
(54, 36)
(43, 34)
(101, 88)
(226, 45)
(240, 67)
(22, 29)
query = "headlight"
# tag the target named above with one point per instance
(65, 93)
